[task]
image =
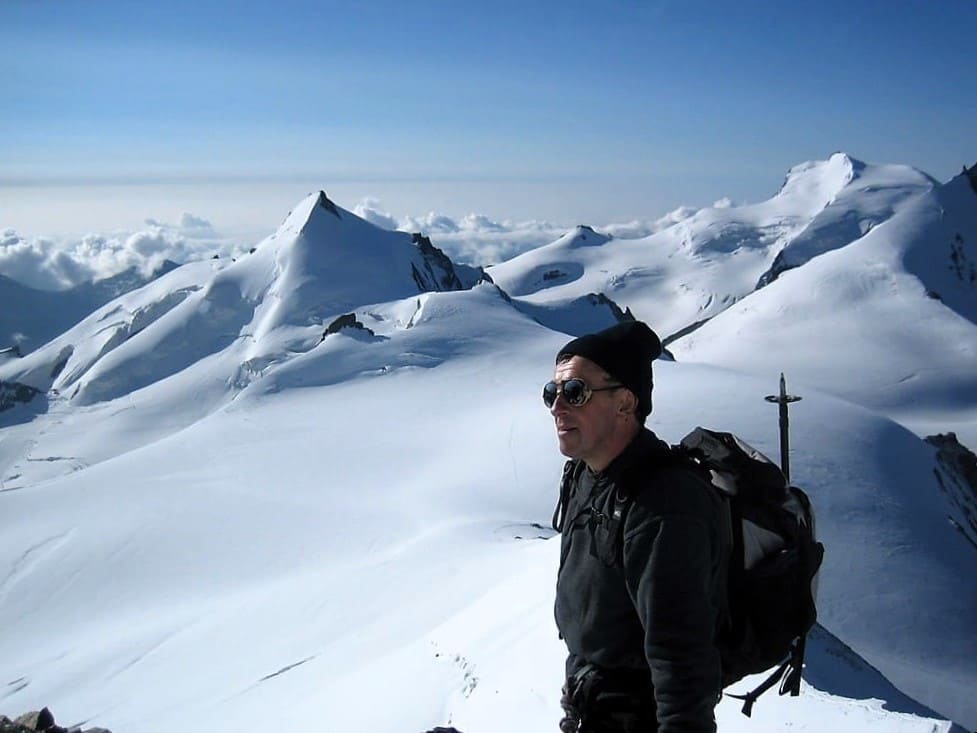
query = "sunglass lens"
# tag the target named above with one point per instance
(575, 392)
(550, 391)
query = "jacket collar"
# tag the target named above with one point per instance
(645, 448)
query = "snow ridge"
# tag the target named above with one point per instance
(323, 261)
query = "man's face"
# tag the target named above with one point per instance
(585, 432)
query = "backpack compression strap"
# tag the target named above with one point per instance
(788, 673)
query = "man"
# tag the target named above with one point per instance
(640, 593)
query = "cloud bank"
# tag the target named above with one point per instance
(480, 240)
(48, 263)
(58, 264)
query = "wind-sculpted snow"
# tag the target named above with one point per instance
(548, 275)
(885, 321)
(817, 182)
(942, 249)
(199, 327)
(873, 195)
(423, 332)
(891, 513)
(587, 314)
(61, 363)
(29, 318)
(658, 278)
(541, 268)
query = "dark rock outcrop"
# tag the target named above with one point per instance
(956, 473)
(328, 205)
(12, 393)
(347, 320)
(435, 262)
(971, 174)
(41, 721)
(778, 268)
(601, 299)
(965, 270)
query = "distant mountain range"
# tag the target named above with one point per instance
(345, 415)
(322, 262)
(885, 271)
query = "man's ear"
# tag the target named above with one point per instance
(628, 404)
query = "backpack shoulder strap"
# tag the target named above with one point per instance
(559, 513)
(628, 487)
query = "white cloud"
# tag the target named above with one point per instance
(430, 224)
(52, 264)
(644, 228)
(481, 240)
(472, 239)
(189, 221)
(31, 263)
(478, 240)
(478, 222)
(369, 209)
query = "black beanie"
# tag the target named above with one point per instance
(625, 351)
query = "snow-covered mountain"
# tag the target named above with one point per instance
(888, 321)
(29, 318)
(693, 270)
(721, 289)
(216, 505)
(262, 309)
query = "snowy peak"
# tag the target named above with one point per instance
(582, 236)
(352, 258)
(323, 202)
(306, 212)
(251, 314)
(552, 265)
(320, 221)
(820, 181)
(325, 260)
(857, 198)
(814, 185)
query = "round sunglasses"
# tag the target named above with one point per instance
(575, 391)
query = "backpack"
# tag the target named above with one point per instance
(773, 563)
(773, 566)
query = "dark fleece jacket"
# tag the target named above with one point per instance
(655, 605)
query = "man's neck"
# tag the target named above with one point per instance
(616, 445)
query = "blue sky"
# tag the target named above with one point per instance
(584, 109)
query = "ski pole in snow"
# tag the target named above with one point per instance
(784, 399)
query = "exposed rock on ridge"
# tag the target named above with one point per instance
(347, 320)
(328, 205)
(41, 721)
(12, 393)
(971, 174)
(956, 473)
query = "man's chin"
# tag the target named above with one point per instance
(568, 446)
